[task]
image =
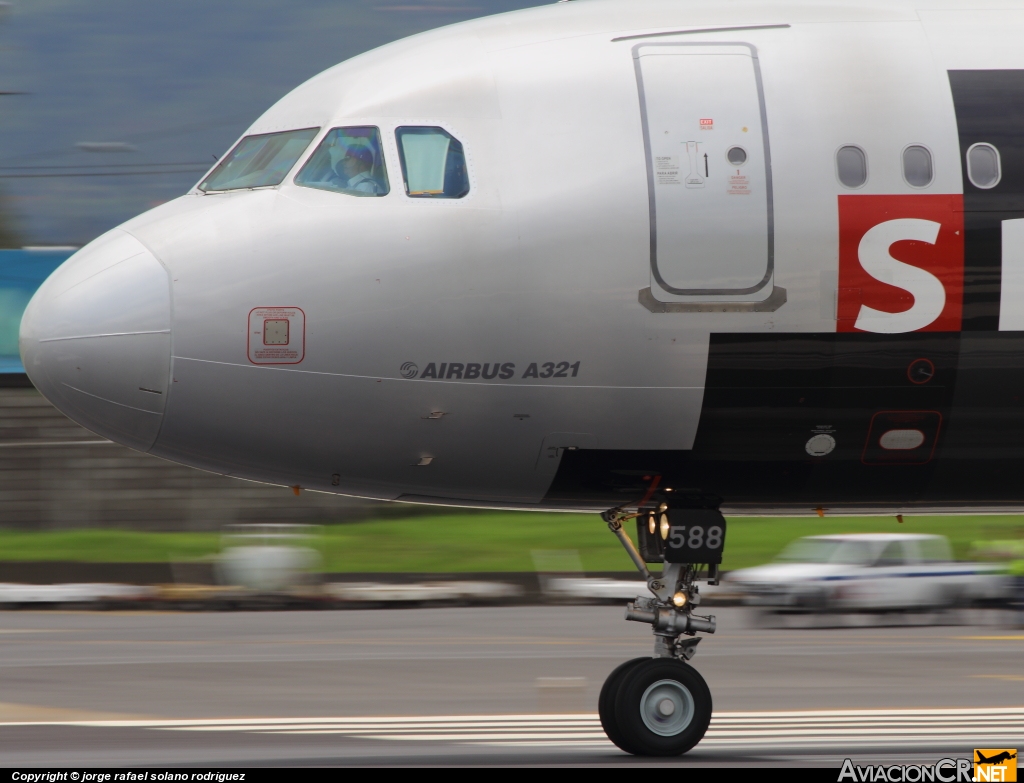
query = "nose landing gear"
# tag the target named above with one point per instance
(661, 706)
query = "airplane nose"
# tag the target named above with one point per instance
(96, 339)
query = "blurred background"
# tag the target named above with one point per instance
(110, 108)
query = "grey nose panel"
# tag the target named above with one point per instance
(96, 339)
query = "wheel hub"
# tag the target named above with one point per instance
(667, 708)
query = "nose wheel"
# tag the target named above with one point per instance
(606, 702)
(655, 707)
(661, 706)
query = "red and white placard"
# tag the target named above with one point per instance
(277, 335)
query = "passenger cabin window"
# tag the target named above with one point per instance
(851, 166)
(433, 163)
(984, 166)
(917, 166)
(349, 161)
(259, 161)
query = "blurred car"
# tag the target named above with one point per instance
(869, 572)
(268, 558)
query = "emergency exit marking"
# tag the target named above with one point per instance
(707, 124)
(277, 335)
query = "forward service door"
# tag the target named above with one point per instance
(709, 172)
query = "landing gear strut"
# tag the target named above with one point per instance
(661, 706)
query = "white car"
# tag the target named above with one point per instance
(868, 572)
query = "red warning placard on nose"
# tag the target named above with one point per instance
(901, 264)
(277, 335)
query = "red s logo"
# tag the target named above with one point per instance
(901, 264)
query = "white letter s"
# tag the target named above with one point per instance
(928, 292)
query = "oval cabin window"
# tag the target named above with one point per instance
(984, 167)
(851, 166)
(917, 166)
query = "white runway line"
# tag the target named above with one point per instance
(979, 727)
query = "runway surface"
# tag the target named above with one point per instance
(511, 685)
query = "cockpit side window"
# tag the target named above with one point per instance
(348, 160)
(433, 163)
(259, 161)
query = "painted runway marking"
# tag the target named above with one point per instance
(1013, 677)
(1013, 638)
(807, 728)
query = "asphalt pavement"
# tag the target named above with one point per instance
(510, 685)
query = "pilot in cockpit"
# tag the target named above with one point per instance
(353, 171)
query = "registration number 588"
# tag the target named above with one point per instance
(695, 537)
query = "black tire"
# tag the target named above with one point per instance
(641, 693)
(606, 702)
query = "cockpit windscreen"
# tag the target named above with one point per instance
(259, 161)
(348, 160)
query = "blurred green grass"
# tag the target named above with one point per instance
(105, 545)
(486, 541)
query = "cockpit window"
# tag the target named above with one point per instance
(348, 160)
(433, 163)
(259, 161)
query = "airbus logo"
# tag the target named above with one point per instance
(488, 371)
